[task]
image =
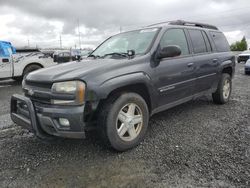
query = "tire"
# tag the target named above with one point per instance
(30, 68)
(223, 92)
(113, 111)
(18, 79)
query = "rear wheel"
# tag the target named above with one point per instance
(124, 121)
(223, 92)
(30, 68)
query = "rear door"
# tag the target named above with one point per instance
(175, 76)
(205, 60)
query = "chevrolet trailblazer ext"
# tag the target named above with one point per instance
(127, 79)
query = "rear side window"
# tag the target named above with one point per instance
(175, 37)
(198, 41)
(220, 41)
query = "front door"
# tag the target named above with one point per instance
(174, 77)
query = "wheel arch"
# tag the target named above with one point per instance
(228, 70)
(30, 64)
(137, 83)
(138, 88)
(228, 67)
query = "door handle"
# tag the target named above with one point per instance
(190, 64)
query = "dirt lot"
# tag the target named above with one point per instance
(197, 144)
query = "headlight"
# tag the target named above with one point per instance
(75, 88)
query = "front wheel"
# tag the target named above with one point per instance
(124, 121)
(223, 92)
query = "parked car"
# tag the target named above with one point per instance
(243, 57)
(64, 56)
(247, 67)
(126, 80)
(16, 66)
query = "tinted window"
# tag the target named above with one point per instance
(60, 55)
(198, 41)
(175, 37)
(220, 41)
(208, 44)
(66, 54)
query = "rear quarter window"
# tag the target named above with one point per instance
(220, 41)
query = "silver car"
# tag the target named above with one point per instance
(247, 67)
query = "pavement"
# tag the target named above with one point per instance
(197, 144)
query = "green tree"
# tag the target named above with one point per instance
(239, 45)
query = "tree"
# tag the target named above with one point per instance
(239, 45)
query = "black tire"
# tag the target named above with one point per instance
(108, 115)
(18, 79)
(30, 68)
(218, 96)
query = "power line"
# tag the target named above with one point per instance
(79, 35)
(60, 41)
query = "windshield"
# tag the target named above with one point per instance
(138, 41)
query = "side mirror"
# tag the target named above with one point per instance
(169, 51)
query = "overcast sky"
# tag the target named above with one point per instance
(42, 22)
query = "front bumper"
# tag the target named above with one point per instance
(43, 119)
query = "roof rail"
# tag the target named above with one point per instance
(186, 23)
(160, 23)
(195, 24)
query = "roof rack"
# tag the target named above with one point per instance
(186, 23)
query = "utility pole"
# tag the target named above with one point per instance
(28, 42)
(60, 41)
(79, 35)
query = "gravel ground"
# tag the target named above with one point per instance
(197, 144)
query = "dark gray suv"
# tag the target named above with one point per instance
(127, 79)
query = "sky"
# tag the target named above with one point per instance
(42, 23)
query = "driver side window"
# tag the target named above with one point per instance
(175, 37)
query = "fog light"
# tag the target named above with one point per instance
(64, 122)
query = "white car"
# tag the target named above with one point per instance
(243, 57)
(30, 62)
(17, 66)
(247, 67)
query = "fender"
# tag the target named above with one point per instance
(225, 64)
(228, 63)
(102, 91)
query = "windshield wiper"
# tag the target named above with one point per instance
(94, 56)
(115, 54)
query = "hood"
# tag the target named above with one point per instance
(73, 70)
